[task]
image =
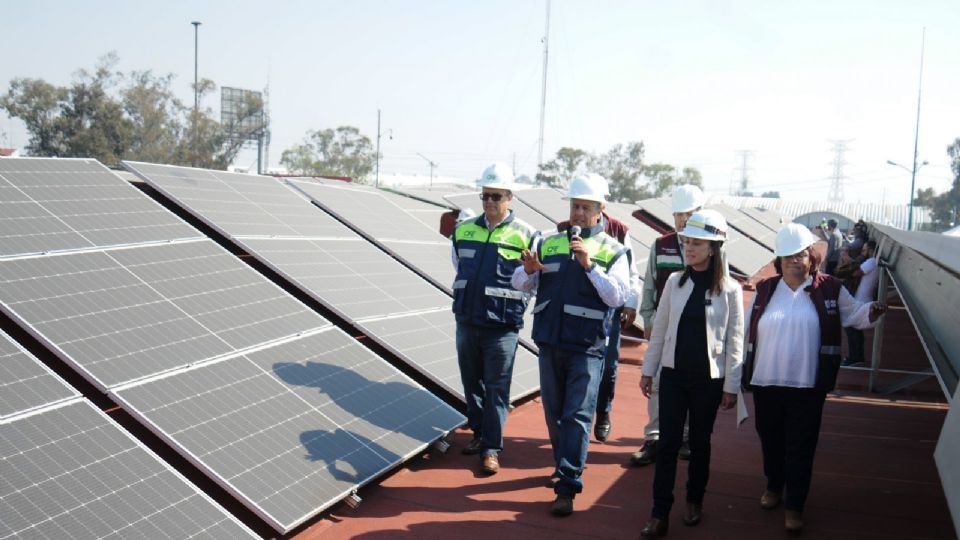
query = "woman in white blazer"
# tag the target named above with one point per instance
(697, 344)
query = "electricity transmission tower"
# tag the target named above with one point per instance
(836, 183)
(740, 180)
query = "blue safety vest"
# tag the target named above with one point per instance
(482, 294)
(569, 313)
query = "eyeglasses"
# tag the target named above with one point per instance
(495, 197)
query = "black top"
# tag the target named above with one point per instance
(691, 352)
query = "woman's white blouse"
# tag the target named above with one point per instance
(788, 335)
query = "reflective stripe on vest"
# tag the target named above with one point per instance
(586, 313)
(503, 293)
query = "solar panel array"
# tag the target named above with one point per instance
(68, 471)
(770, 219)
(148, 321)
(522, 210)
(339, 268)
(746, 225)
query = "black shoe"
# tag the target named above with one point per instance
(655, 528)
(851, 361)
(646, 455)
(562, 505)
(473, 447)
(693, 515)
(684, 452)
(601, 430)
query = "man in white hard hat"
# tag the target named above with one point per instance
(666, 257)
(489, 312)
(581, 277)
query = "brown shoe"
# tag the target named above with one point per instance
(562, 506)
(693, 515)
(655, 528)
(793, 521)
(770, 499)
(491, 464)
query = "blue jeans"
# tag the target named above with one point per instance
(611, 360)
(486, 359)
(568, 388)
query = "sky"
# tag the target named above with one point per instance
(459, 83)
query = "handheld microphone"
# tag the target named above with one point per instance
(574, 231)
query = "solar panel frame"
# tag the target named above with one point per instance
(56, 217)
(769, 218)
(746, 225)
(26, 384)
(243, 466)
(98, 478)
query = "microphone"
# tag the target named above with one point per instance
(574, 231)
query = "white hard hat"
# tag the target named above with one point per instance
(687, 198)
(497, 176)
(589, 187)
(706, 225)
(793, 238)
(465, 214)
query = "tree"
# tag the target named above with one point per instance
(108, 116)
(560, 170)
(663, 178)
(945, 207)
(340, 152)
(623, 168)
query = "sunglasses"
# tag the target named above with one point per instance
(495, 197)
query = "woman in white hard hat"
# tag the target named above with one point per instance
(697, 344)
(792, 360)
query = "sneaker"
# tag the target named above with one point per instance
(684, 452)
(473, 447)
(646, 455)
(601, 430)
(562, 505)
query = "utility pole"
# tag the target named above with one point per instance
(389, 133)
(432, 165)
(836, 184)
(543, 91)
(196, 92)
(741, 186)
(916, 134)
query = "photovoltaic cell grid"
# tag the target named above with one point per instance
(71, 472)
(114, 309)
(64, 204)
(746, 225)
(383, 222)
(25, 383)
(125, 314)
(330, 416)
(770, 219)
(344, 272)
(239, 204)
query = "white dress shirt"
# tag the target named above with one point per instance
(612, 286)
(788, 335)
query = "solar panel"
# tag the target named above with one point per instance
(341, 270)
(746, 225)
(768, 218)
(25, 383)
(239, 204)
(124, 314)
(383, 222)
(659, 209)
(71, 472)
(64, 204)
(295, 427)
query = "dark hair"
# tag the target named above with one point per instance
(715, 268)
(812, 254)
(872, 244)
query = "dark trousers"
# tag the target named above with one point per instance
(611, 360)
(854, 343)
(788, 422)
(680, 394)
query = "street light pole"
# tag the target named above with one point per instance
(196, 91)
(916, 134)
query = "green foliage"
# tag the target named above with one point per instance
(770, 194)
(108, 116)
(630, 179)
(945, 207)
(343, 151)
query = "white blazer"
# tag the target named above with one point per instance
(724, 330)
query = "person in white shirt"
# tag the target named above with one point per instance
(792, 359)
(869, 274)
